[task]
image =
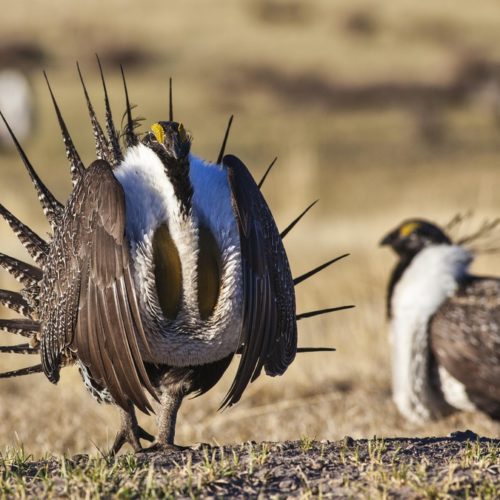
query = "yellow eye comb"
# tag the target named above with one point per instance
(408, 228)
(158, 132)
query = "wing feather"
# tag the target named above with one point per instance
(269, 332)
(465, 339)
(107, 327)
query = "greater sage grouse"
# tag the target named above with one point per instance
(445, 326)
(160, 268)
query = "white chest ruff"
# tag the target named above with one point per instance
(150, 200)
(427, 282)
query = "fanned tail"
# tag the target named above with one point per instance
(24, 327)
(25, 273)
(101, 143)
(36, 246)
(224, 141)
(266, 173)
(15, 302)
(76, 166)
(130, 136)
(52, 209)
(110, 126)
(296, 220)
(19, 349)
(23, 371)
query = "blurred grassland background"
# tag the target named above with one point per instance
(382, 110)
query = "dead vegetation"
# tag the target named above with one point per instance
(462, 465)
(335, 98)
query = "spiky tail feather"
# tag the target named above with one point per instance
(23, 371)
(36, 246)
(76, 166)
(52, 209)
(101, 143)
(24, 327)
(24, 273)
(16, 302)
(110, 126)
(19, 349)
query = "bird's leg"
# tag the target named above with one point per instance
(171, 401)
(130, 432)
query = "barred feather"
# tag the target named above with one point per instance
(25, 273)
(76, 165)
(23, 371)
(19, 349)
(24, 327)
(52, 209)
(101, 143)
(110, 126)
(131, 138)
(36, 246)
(15, 302)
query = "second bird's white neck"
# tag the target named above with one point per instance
(429, 280)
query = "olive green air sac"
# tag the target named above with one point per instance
(209, 273)
(168, 272)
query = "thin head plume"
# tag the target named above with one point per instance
(307, 275)
(296, 220)
(224, 142)
(110, 126)
(76, 166)
(131, 138)
(311, 314)
(52, 209)
(267, 172)
(101, 143)
(170, 101)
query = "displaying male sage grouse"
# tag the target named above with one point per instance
(445, 326)
(161, 267)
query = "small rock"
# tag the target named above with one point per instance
(467, 435)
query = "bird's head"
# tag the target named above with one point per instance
(413, 235)
(169, 140)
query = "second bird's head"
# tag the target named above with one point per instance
(169, 140)
(413, 235)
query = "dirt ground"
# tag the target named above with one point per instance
(461, 465)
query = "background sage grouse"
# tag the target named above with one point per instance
(161, 267)
(445, 326)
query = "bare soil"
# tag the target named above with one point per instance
(462, 464)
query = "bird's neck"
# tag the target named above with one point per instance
(396, 274)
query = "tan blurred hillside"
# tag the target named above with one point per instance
(383, 110)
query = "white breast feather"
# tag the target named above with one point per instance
(427, 282)
(151, 201)
(454, 391)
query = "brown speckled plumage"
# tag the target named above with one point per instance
(81, 302)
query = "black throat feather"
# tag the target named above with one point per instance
(178, 174)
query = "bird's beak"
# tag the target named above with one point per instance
(390, 239)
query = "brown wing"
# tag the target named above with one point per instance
(269, 335)
(93, 307)
(465, 338)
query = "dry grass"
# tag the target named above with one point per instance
(370, 168)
